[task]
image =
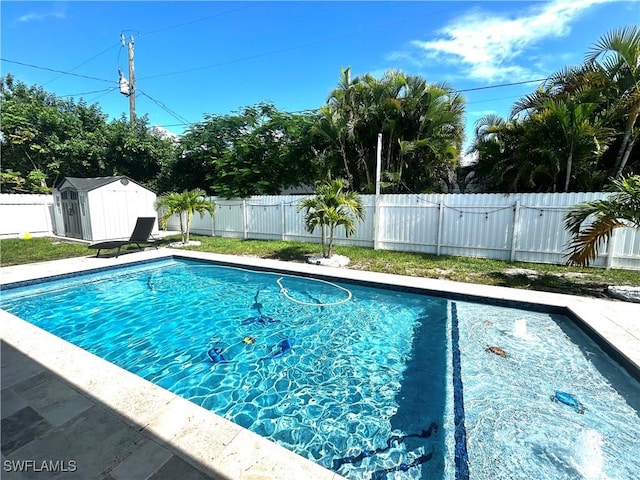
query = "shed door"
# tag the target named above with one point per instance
(71, 214)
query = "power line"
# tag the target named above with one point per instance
(83, 63)
(312, 110)
(57, 71)
(170, 27)
(297, 47)
(87, 93)
(538, 80)
(102, 94)
(205, 67)
(486, 87)
(166, 109)
(494, 99)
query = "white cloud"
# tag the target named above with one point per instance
(489, 46)
(39, 16)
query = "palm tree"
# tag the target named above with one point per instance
(184, 205)
(569, 104)
(618, 57)
(332, 207)
(426, 117)
(580, 130)
(622, 209)
(501, 165)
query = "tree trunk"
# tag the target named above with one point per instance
(343, 153)
(569, 166)
(625, 157)
(627, 144)
(568, 177)
(330, 249)
(185, 240)
(181, 226)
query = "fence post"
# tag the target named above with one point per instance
(244, 218)
(376, 222)
(515, 231)
(440, 218)
(611, 246)
(213, 225)
(282, 219)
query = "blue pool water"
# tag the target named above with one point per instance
(378, 383)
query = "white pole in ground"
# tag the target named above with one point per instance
(376, 217)
(378, 164)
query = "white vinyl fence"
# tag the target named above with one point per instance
(518, 227)
(25, 213)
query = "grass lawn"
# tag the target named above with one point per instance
(550, 278)
(15, 251)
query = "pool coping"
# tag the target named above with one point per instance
(208, 441)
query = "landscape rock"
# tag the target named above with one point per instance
(530, 274)
(570, 275)
(334, 261)
(628, 294)
(442, 273)
(191, 243)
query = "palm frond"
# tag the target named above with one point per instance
(584, 247)
(622, 209)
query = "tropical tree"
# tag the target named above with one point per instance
(622, 209)
(134, 151)
(568, 111)
(580, 132)
(617, 55)
(421, 126)
(38, 130)
(579, 128)
(256, 151)
(184, 205)
(45, 138)
(503, 163)
(331, 207)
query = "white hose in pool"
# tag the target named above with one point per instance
(309, 304)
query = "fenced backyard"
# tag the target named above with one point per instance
(514, 227)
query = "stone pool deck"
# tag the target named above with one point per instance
(97, 421)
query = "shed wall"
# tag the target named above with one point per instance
(56, 209)
(113, 209)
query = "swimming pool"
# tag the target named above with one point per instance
(368, 387)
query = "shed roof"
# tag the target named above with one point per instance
(88, 184)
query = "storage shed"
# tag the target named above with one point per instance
(100, 208)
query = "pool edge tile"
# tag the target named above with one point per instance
(248, 457)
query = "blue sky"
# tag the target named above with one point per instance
(207, 57)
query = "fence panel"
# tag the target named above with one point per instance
(626, 248)
(408, 223)
(266, 217)
(543, 237)
(25, 213)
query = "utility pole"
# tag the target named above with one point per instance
(132, 85)
(128, 87)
